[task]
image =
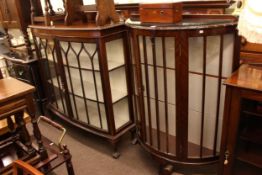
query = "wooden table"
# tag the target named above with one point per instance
(243, 103)
(15, 98)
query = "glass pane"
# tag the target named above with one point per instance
(115, 53)
(121, 113)
(212, 54)
(54, 82)
(228, 53)
(196, 54)
(118, 84)
(97, 114)
(84, 83)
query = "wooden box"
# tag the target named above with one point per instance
(160, 13)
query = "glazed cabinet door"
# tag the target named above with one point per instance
(52, 74)
(156, 84)
(180, 91)
(210, 63)
(87, 80)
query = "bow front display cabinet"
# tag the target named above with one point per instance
(86, 73)
(179, 73)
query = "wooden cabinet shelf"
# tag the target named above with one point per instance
(242, 168)
(253, 135)
(251, 154)
(252, 111)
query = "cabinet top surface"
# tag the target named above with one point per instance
(247, 76)
(77, 26)
(11, 88)
(189, 22)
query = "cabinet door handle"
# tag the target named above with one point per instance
(226, 157)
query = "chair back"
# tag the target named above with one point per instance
(23, 168)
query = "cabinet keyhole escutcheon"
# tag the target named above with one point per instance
(226, 157)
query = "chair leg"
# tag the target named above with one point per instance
(23, 133)
(36, 131)
(69, 165)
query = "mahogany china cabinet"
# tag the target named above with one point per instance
(180, 69)
(241, 152)
(86, 73)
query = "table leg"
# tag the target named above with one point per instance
(36, 130)
(22, 130)
(10, 125)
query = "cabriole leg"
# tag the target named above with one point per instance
(166, 169)
(115, 154)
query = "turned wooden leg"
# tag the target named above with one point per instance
(10, 125)
(115, 154)
(166, 170)
(27, 42)
(8, 37)
(22, 130)
(36, 130)
(69, 165)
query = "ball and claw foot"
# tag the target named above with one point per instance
(166, 170)
(116, 155)
(134, 141)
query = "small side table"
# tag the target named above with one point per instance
(241, 145)
(15, 97)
